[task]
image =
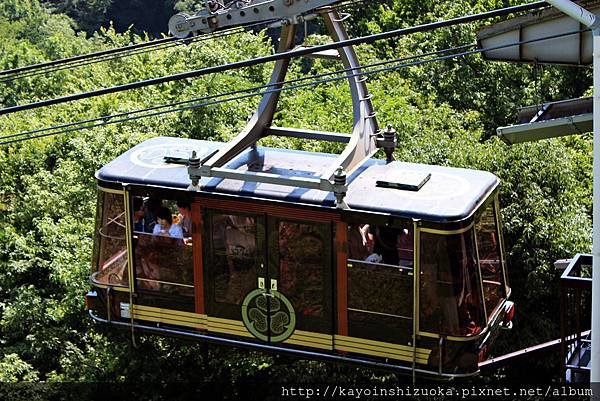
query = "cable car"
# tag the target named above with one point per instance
(411, 278)
(343, 257)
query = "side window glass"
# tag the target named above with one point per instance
(162, 245)
(301, 259)
(112, 244)
(380, 261)
(167, 218)
(488, 247)
(381, 244)
(450, 291)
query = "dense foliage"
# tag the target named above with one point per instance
(443, 111)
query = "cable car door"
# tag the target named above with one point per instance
(268, 277)
(300, 281)
(234, 259)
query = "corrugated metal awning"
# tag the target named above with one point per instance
(550, 120)
(573, 49)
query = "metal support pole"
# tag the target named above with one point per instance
(575, 11)
(590, 20)
(595, 374)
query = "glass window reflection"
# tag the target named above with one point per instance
(233, 256)
(488, 247)
(112, 263)
(450, 292)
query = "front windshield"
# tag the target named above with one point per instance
(488, 247)
(110, 262)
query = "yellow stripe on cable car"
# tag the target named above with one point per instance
(295, 341)
(383, 354)
(169, 316)
(380, 348)
(311, 339)
(177, 318)
(227, 326)
(313, 335)
(169, 311)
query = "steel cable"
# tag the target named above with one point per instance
(128, 51)
(116, 53)
(204, 98)
(273, 57)
(365, 70)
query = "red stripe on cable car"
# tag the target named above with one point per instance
(342, 278)
(198, 263)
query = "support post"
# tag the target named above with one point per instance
(591, 21)
(595, 374)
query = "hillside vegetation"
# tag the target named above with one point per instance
(444, 113)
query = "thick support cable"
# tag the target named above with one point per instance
(88, 55)
(275, 57)
(129, 50)
(110, 119)
(250, 92)
(113, 54)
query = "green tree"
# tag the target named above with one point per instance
(90, 15)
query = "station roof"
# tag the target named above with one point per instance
(450, 194)
(541, 36)
(550, 120)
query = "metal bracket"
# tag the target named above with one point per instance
(388, 142)
(216, 16)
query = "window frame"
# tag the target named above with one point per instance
(163, 297)
(374, 220)
(495, 204)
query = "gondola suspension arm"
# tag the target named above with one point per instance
(365, 138)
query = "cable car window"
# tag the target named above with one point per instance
(489, 259)
(111, 268)
(234, 256)
(450, 290)
(380, 244)
(380, 282)
(301, 250)
(160, 217)
(162, 256)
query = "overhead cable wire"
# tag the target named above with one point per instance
(205, 101)
(129, 50)
(87, 55)
(109, 57)
(85, 62)
(274, 57)
(117, 53)
(108, 119)
(111, 117)
(352, 3)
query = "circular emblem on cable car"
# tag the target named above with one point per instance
(152, 156)
(268, 313)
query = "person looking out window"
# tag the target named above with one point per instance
(185, 217)
(164, 224)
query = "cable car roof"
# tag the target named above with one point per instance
(450, 194)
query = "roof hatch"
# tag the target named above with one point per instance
(405, 180)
